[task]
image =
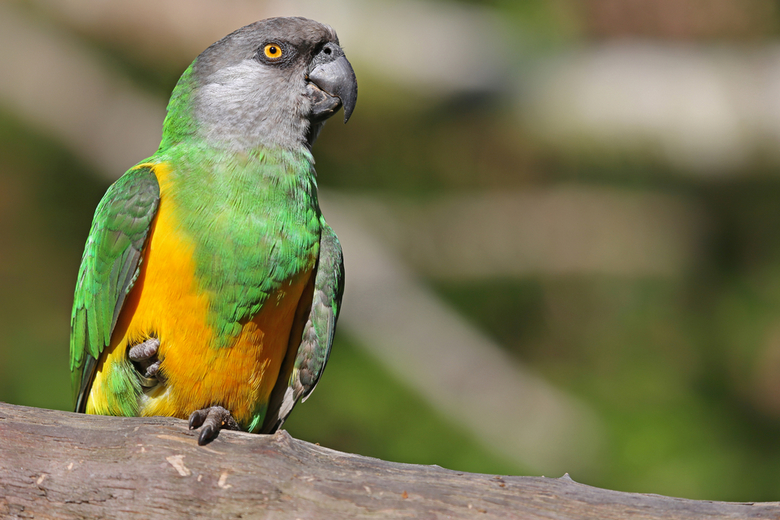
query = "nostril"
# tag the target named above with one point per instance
(327, 50)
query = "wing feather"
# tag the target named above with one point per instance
(109, 267)
(309, 352)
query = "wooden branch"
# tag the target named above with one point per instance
(64, 465)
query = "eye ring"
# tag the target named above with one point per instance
(273, 51)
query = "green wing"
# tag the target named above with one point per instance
(109, 267)
(303, 366)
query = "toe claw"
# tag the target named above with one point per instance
(212, 420)
(197, 417)
(206, 434)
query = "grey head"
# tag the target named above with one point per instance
(271, 84)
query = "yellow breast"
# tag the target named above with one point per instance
(166, 303)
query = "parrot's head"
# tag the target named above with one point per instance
(270, 84)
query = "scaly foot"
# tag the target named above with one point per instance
(212, 419)
(144, 357)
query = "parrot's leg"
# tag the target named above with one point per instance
(212, 419)
(144, 356)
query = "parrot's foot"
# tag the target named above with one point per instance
(144, 357)
(212, 419)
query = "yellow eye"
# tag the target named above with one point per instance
(272, 51)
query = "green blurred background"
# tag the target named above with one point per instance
(590, 188)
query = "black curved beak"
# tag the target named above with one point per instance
(333, 74)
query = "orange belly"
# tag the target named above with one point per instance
(166, 303)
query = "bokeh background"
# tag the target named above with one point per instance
(560, 221)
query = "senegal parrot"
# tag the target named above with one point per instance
(210, 283)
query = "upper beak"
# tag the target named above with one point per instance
(337, 78)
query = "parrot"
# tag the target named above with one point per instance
(211, 284)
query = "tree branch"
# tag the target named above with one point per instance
(64, 465)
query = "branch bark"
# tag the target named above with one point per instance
(64, 465)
